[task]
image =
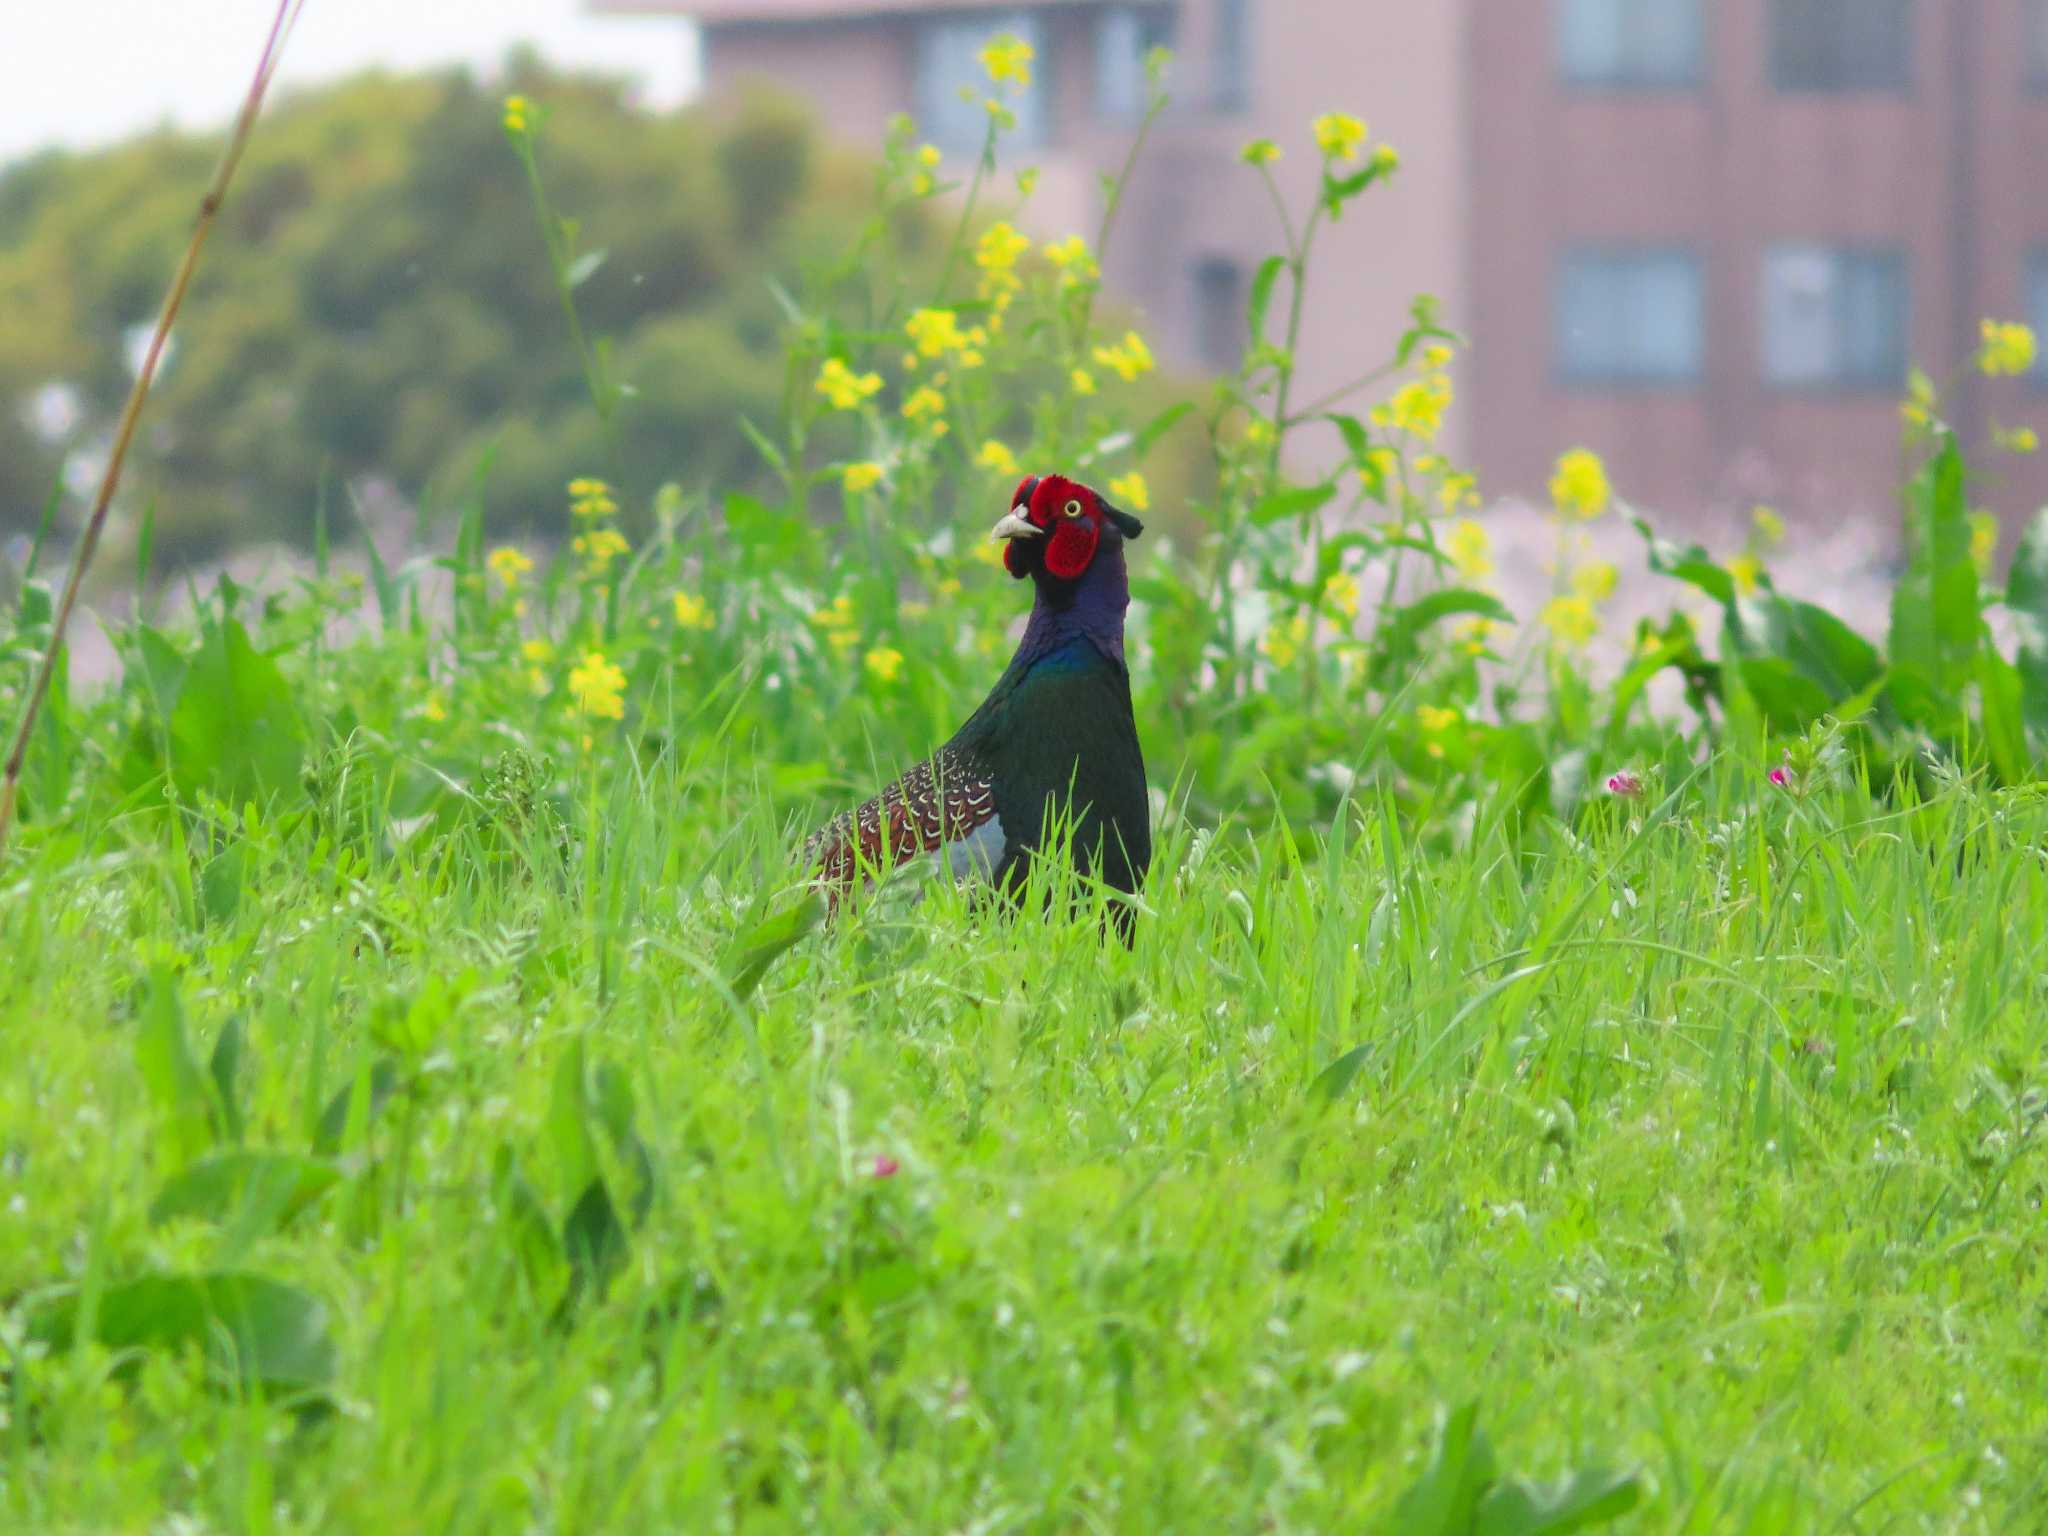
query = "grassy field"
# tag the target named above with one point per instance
(1703, 1148)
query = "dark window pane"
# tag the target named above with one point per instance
(1841, 45)
(1631, 42)
(1834, 317)
(1125, 36)
(1233, 78)
(1219, 313)
(1627, 317)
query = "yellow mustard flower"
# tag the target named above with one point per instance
(884, 663)
(508, 565)
(1594, 581)
(2017, 439)
(1282, 643)
(862, 476)
(935, 332)
(1417, 407)
(924, 404)
(692, 612)
(1386, 159)
(1473, 635)
(1342, 590)
(1339, 135)
(1260, 152)
(1748, 572)
(1571, 619)
(1129, 359)
(1008, 58)
(1437, 357)
(844, 388)
(1580, 484)
(1435, 720)
(516, 108)
(1132, 491)
(1983, 542)
(599, 548)
(1459, 488)
(598, 687)
(997, 457)
(436, 706)
(1071, 257)
(1083, 381)
(1000, 248)
(591, 499)
(2009, 350)
(1470, 549)
(928, 156)
(1770, 528)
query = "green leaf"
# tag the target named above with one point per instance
(267, 1188)
(222, 1067)
(349, 1113)
(524, 1219)
(1291, 502)
(1335, 1080)
(769, 940)
(1688, 563)
(1935, 607)
(1790, 700)
(175, 1083)
(235, 729)
(2026, 598)
(2002, 694)
(249, 1328)
(1578, 1501)
(1444, 1501)
(1261, 299)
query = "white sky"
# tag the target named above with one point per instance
(82, 72)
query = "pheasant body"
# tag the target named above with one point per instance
(1054, 739)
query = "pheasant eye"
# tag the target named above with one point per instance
(1072, 509)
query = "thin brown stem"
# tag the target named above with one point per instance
(131, 413)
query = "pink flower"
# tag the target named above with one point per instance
(1627, 785)
(886, 1167)
(1781, 776)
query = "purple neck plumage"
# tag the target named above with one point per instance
(1091, 608)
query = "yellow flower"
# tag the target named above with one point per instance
(1132, 491)
(928, 156)
(1459, 489)
(884, 662)
(1594, 581)
(923, 184)
(1437, 357)
(591, 499)
(987, 553)
(860, 477)
(692, 612)
(935, 332)
(845, 388)
(1983, 541)
(436, 707)
(1342, 591)
(838, 614)
(2017, 439)
(537, 651)
(1071, 257)
(1748, 572)
(508, 565)
(1000, 248)
(1008, 57)
(1083, 381)
(1470, 549)
(1473, 635)
(995, 456)
(1571, 619)
(600, 547)
(515, 114)
(1580, 484)
(1434, 720)
(1339, 135)
(1386, 159)
(598, 687)
(1128, 359)
(925, 403)
(1770, 527)
(1260, 152)
(1418, 407)
(2009, 350)
(1283, 642)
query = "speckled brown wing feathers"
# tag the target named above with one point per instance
(940, 801)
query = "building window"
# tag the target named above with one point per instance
(1233, 77)
(947, 59)
(2037, 309)
(1631, 43)
(1630, 317)
(1834, 318)
(1125, 36)
(1220, 313)
(1841, 45)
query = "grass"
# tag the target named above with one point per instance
(1704, 1148)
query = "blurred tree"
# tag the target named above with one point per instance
(377, 306)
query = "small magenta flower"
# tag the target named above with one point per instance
(886, 1167)
(1781, 776)
(1625, 785)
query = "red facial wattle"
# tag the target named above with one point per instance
(1071, 546)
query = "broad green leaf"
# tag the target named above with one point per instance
(2001, 694)
(1292, 502)
(249, 1328)
(1261, 300)
(1935, 617)
(175, 1083)
(235, 730)
(1444, 1501)
(222, 1068)
(1578, 1501)
(1790, 700)
(524, 1220)
(349, 1113)
(270, 1187)
(769, 940)
(1335, 1080)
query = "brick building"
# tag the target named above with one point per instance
(1705, 237)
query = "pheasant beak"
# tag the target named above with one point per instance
(1015, 526)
